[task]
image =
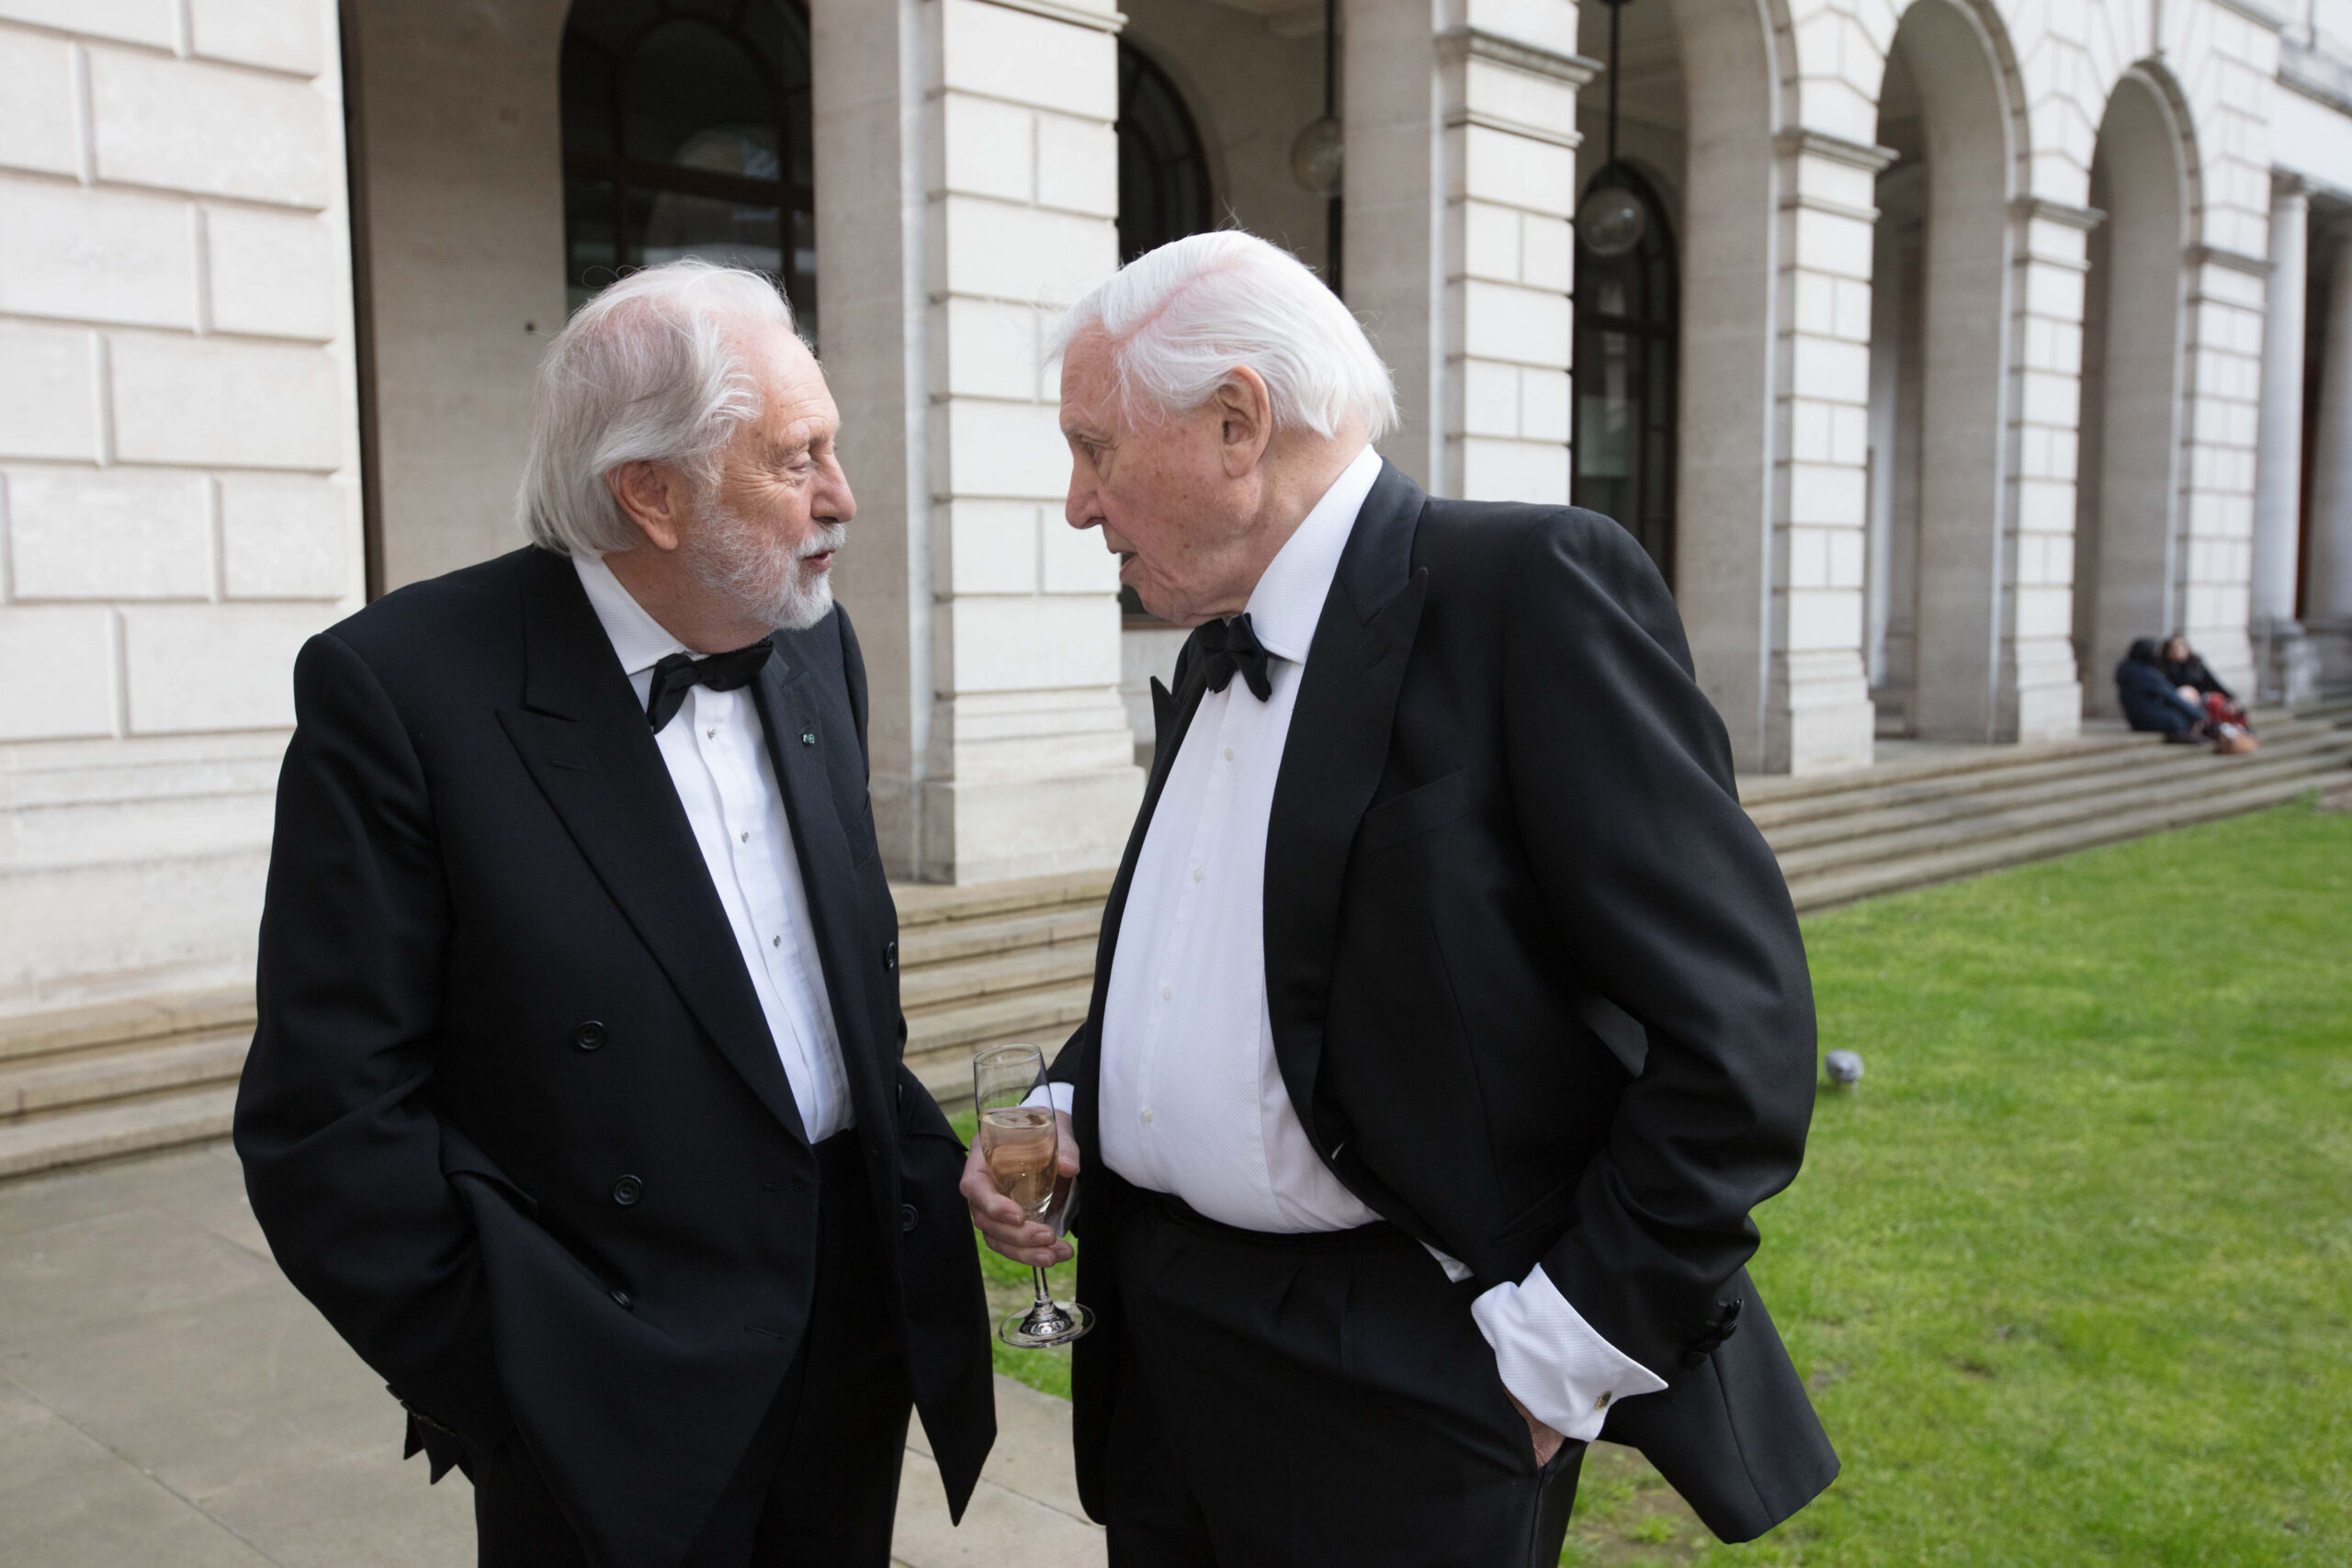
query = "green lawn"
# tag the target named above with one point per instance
(2071, 1272)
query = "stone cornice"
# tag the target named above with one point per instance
(1076, 16)
(2259, 15)
(1476, 43)
(1797, 140)
(2235, 260)
(1484, 121)
(2027, 209)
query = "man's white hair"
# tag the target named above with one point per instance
(1181, 319)
(652, 369)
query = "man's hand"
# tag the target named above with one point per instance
(1547, 1441)
(1007, 1230)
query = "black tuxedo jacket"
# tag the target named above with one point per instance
(513, 1119)
(1537, 988)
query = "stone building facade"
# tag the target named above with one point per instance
(1956, 344)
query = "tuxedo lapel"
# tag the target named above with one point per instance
(1332, 761)
(585, 742)
(802, 738)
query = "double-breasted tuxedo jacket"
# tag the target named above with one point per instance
(513, 1119)
(1537, 990)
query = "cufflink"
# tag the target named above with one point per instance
(808, 737)
(1602, 1402)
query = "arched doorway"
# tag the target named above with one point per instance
(1163, 168)
(1627, 313)
(686, 132)
(2127, 478)
(1940, 358)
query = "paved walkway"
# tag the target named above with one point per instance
(166, 1399)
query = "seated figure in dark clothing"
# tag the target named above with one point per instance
(2150, 700)
(2198, 686)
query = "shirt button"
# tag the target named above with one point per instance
(777, 940)
(1146, 1115)
(1228, 753)
(710, 735)
(1196, 873)
(746, 838)
(1166, 992)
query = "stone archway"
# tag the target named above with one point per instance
(1939, 384)
(2128, 483)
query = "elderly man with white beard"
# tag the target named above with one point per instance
(1450, 1017)
(576, 1104)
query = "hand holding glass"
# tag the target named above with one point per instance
(1020, 1144)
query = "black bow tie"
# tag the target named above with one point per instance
(1228, 646)
(679, 674)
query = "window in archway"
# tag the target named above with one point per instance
(1163, 170)
(686, 133)
(1626, 313)
(1163, 186)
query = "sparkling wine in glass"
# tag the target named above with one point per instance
(1020, 1144)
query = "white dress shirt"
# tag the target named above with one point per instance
(716, 753)
(1192, 1100)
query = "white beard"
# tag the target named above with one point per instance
(741, 561)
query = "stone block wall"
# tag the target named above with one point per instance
(178, 482)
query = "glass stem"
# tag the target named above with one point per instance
(1045, 1297)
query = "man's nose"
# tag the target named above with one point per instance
(837, 504)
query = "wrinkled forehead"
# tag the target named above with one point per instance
(1091, 403)
(791, 382)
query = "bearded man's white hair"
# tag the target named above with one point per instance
(652, 369)
(1181, 319)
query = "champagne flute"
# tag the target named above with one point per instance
(1020, 1144)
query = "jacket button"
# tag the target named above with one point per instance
(891, 956)
(589, 1036)
(907, 1216)
(620, 1300)
(628, 1191)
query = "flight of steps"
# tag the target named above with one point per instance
(1947, 813)
(1014, 961)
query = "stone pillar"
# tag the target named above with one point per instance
(2285, 668)
(2327, 592)
(179, 472)
(966, 191)
(1816, 713)
(2038, 695)
(1461, 178)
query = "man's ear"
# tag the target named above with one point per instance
(653, 494)
(1245, 412)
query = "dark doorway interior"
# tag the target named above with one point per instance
(1627, 313)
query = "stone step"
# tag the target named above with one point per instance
(1993, 853)
(1989, 794)
(925, 904)
(930, 989)
(1063, 925)
(940, 1047)
(51, 1085)
(2218, 779)
(109, 1131)
(124, 1023)
(1942, 762)
(1997, 767)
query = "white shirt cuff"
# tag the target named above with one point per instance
(1553, 1362)
(1060, 1096)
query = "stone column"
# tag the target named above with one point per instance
(2279, 451)
(2327, 592)
(1817, 712)
(1461, 178)
(966, 191)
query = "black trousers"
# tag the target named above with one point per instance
(819, 1485)
(1313, 1400)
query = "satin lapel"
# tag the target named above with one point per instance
(1172, 717)
(1331, 762)
(791, 707)
(585, 742)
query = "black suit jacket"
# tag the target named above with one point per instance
(1537, 989)
(513, 1119)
